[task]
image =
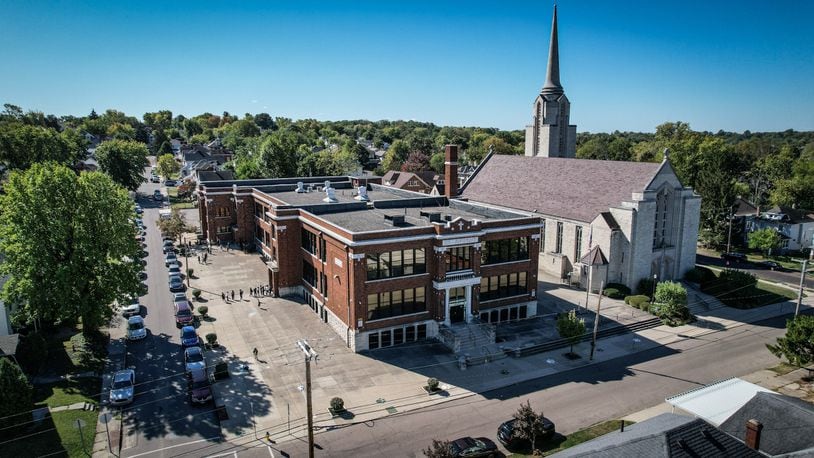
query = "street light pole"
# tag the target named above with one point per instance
(309, 354)
(800, 292)
(653, 295)
(729, 237)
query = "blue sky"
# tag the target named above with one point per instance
(625, 65)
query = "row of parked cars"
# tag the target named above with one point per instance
(472, 447)
(741, 258)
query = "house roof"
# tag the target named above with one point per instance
(666, 435)
(577, 189)
(784, 420)
(595, 257)
(717, 401)
(399, 180)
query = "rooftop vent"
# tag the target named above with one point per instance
(433, 217)
(300, 187)
(395, 220)
(330, 194)
(362, 194)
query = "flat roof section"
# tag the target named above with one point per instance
(342, 194)
(373, 219)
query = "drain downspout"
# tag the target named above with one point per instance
(349, 262)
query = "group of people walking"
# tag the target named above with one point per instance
(260, 291)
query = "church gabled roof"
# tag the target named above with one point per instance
(595, 257)
(552, 84)
(576, 189)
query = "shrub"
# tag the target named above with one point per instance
(700, 275)
(734, 288)
(670, 292)
(619, 287)
(221, 370)
(613, 293)
(432, 383)
(190, 271)
(31, 352)
(212, 339)
(636, 301)
(337, 404)
(672, 314)
(646, 306)
(196, 293)
(645, 286)
(203, 310)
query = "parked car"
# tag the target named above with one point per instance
(736, 257)
(194, 359)
(473, 447)
(157, 195)
(183, 314)
(189, 338)
(178, 297)
(123, 388)
(168, 247)
(505, 434)
(155, 179)
(174, 269)
(176, 283)
(132, 308)
(138, 209)
(772, 265)
(170, 183)
(199, 386)
(135, 328)
(170, 258)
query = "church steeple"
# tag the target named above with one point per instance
(552, 81)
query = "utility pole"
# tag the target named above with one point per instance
(186, 263)
(309, 354)
(596, 320)
(729, 237)
(588, 288)
(800, 292)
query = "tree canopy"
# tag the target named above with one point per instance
(123, 161)
(797, 346)
(16, 396)
(167, 166)
(570, 327)
(69, 245)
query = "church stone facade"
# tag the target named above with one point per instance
(550, 134)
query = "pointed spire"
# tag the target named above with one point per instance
(552, 80)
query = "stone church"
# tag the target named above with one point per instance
(602, 221)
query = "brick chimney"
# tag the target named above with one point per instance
(753, 428)
(451, 171)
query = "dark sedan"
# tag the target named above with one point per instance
(473, 447)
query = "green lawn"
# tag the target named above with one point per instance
(560, 443)
(175, 202)
(783, 369)
(58, 433)
(762, 293)
(71, 352)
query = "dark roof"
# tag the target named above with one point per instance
(400, 179)
(595, 257)
(788, 423)
(217, 175)
(8, 344)
(666, 435)
(610, 220)
(796, 215)
(577, 189)
(743, 207)
(195, 156)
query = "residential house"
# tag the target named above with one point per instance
(795, 226)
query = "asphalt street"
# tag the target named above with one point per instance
(790, 278)
(161, 417)
(573, 399)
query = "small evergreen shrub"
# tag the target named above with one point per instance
(432, 384)
(700, 275)
(613, 293)
(637, 300)
(337, 404)
(203, 310)
(196, 293)
(212, 339)
(619, 287)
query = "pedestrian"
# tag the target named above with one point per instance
(241, 294)
(199, 259)
(233, 294)
(254, 352)
(251, 291)
(223, 296)
(204, 258)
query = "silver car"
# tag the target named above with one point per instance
(132, 308)
(123, 387)
(194, 359)
(135, 328)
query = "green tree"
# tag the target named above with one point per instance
(73, 266)
(439, 449)
(396, 155)
(765, 240)
(437, 162)
(165, 148)
(278, 154)
(124, 161)
(264, 121)
(528, 424)
(570, 327)
(670, 292)
(167, 166)
(175, 226)
(16, 396)
(670, 303)
(797, 346)
(22, 145)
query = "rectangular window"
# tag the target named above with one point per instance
(395, 263)
(500, 286)
(395, 303)
(505, 250)
(542, 238)
(558, 247)
(409, 334)
(373, 340)
(421, 329)
(458, 258)
(577, 243)
(222, 212)
(309, 274)
(322, 250)
(224, 229)
(309, 241)
(386, 339)
(398, 336)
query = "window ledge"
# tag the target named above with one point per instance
(378, 320)
(396, 278)
(503, 298)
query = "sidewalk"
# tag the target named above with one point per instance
(108, 421)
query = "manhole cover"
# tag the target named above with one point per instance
(391, 410)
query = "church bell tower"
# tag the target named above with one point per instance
(549, 134)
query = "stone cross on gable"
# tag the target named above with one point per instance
(460, 225)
